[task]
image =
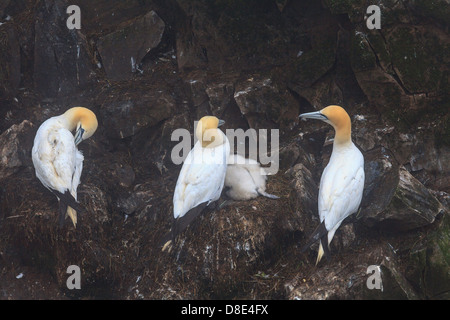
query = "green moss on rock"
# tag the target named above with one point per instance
(438, 10)
(429, 266)
(362, 57)
(343, 6)
(417, 58)
(315, 63)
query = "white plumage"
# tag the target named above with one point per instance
(245, 178)
(342, 181)
(201, 178)
(341, 187)
(56, 159)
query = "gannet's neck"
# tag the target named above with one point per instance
(340, 120)
(212, 138)
(207, 132)
(73, 116)
(343, 134)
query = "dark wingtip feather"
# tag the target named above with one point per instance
(62, 213)
(69, 200)
(319, 233)
(66, 200)
(181, 223)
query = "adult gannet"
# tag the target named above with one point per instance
(202, 176)
(342, 181)
(56, 159)
(245, 179)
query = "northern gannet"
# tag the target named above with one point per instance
(202, 175)
(245, 179)
(56, 159)
(342, 181)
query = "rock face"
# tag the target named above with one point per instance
(429, 263)
(260, 99)
(136, 40)
(61, 56)
(15, 143)
(147, 68)
(394, 197)
(10, 56)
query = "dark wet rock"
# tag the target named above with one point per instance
(424, 157)
(345, 280)
(373, 80)
(368, 132)
(10, 61)
(436, 10)
(264, 105)
(107, 15)
(137, 202)
(3, 5)
(381, 178)
(222, 103)
(394, 62)
(15, 148)
(196, 86)
(314, 64)
(305, 193)
(124, 117)
(288, 156)
(62, 62)
(400, 202)
(220, 97)
(152, 147)
(414, 203)
(124, 174)
(122, 51)
(429, 263)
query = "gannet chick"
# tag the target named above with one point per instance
(246, 179)
(202, 175)
(56, 159)
(342, 181)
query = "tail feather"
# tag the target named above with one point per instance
(267, 195)
(73, 215)
(323, 249)
(319, 253)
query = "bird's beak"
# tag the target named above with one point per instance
(313, 115)
(79, 135)
(221, 122)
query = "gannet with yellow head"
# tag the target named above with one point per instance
(202, 176)
(342, 181)
(57, 160)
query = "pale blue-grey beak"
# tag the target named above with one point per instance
(313, 115)
(79, 135)
(221, 122)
